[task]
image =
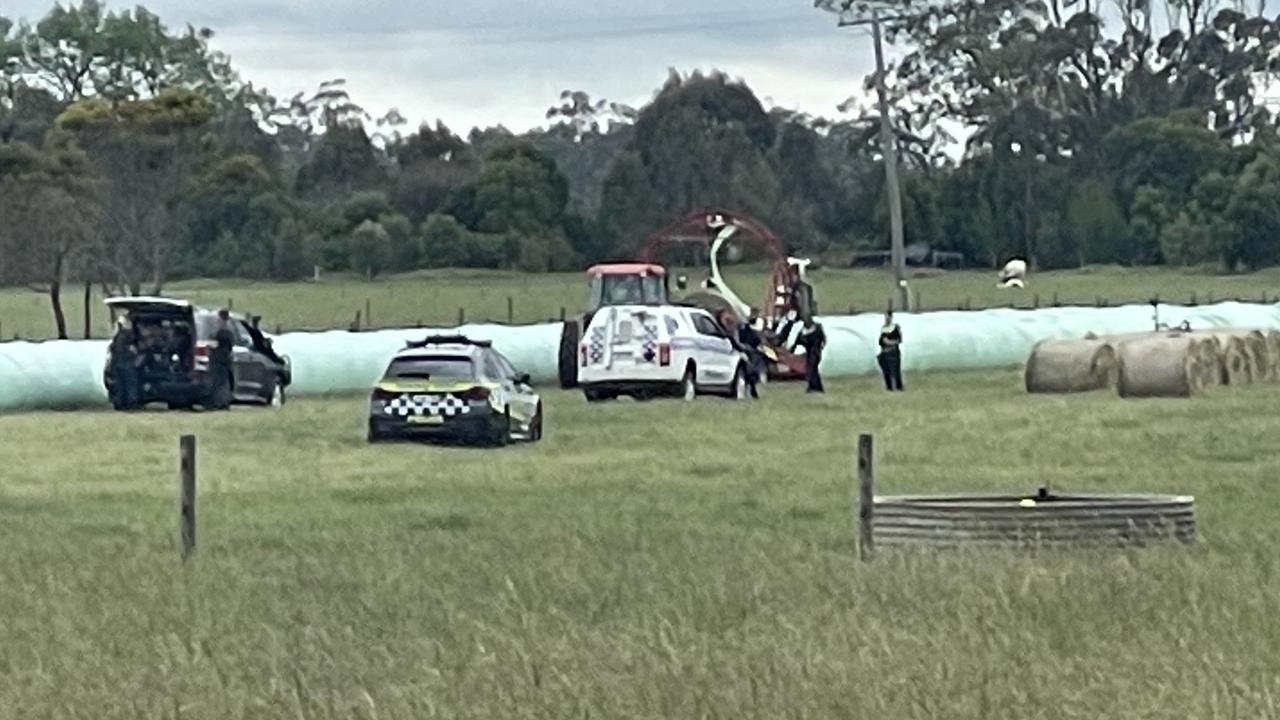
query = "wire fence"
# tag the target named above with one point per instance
(360, 321)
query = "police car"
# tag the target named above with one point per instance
(452, 387)
(654, 350)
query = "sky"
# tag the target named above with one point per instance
(488, 62)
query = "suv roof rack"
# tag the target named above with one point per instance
(447, 340)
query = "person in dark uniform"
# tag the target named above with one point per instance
(733, 332)
(124, 367)
(814, 340)
(220, 361)
(891, 353)
(750, 340)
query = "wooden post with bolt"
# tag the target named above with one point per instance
(866, 497)
(187, 494)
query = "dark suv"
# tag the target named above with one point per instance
(174, 339)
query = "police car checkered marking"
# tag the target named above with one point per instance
(446, 405)
(595, 347)
(649, 344)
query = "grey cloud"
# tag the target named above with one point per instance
(497, 61)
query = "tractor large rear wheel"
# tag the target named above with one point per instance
(569, 337)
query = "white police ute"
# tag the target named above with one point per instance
(646, 351)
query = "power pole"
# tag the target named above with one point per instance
(889, 149)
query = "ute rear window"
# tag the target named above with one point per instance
(422, 367)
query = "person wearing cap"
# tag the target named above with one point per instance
(890, 357)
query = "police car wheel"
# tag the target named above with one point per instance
(372, 435)
(535, 426)
(739, 387)
(501, 433)
(688, 388)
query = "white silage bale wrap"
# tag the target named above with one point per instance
(66, 374)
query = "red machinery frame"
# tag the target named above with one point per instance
(701, 227)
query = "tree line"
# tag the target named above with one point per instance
(132, 154)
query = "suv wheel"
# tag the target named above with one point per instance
(277, 398)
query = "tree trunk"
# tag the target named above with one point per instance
(55, 298)
(1028, 219)
(88, 311)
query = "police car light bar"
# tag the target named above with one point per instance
(447, 340)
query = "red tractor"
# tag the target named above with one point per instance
(788, 298)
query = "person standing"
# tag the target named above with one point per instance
(891, 353)
(749, 338)
(814, 340)
(220, 362)
(124, 367)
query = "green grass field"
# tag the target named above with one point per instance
(434, 298)
(655, 560)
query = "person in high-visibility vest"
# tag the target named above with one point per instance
(891, 353)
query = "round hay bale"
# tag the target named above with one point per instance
(1273, 351)
(1209, 353)
(1162, 365)
(1236, 364)
(1071, 366)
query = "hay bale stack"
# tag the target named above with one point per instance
(1071, 366)
(1236, 363)
(1259, 353)
(1165, 365)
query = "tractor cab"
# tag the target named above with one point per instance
(627, 284)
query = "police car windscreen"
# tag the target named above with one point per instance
(422, 367)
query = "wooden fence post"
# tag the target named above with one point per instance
(562, 314)
(368, 312)
(866, 497)
(1055, 300)
(187, 494)
(1193, 299)
(462, 317)
(1035, 301)
(511, 311)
